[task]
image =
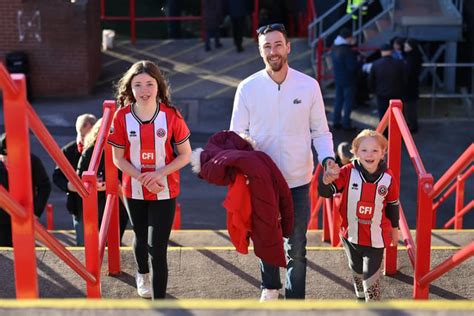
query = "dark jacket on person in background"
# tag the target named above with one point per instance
(412, 70)
(387, 77)
(345, 64)
(213, 14)
(74, 201)
(225, 155)
(41, 191)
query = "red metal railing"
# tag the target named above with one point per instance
(459, 186)
(18, 115)
(134, 19)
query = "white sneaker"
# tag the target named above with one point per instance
(269, 295)
(143, 285)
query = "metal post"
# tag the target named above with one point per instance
(133, 30)
(49, 216)
(255, 19)
(326, 236)
(423, 235)
(20, 184)
(111, 187)
(459, 202)
(394, 163)
(91, 233)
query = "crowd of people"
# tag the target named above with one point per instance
(395, 75)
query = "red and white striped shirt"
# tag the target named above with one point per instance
(363, 206)
(149, 146)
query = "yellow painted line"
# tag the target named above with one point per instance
(176, 231)
(218, 92)
(231, 248)
(123, 57)
(162, 43)
(244, 304)
(184, 68)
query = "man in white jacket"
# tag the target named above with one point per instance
(283, 111)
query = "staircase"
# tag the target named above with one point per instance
(424, 20)
(203, 264)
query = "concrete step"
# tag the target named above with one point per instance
(220, 238)
(226, 274)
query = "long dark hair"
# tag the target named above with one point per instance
(123, 88)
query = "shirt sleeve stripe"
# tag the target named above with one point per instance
(393, 202)
(182, 141)
(115, 145)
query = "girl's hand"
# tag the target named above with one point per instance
(155, 187)
(395, 237)
(147, 178)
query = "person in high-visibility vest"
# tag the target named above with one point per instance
(352, 5)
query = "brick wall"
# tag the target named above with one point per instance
(66, 61)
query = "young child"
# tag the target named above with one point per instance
(369, 210)
(147, 131)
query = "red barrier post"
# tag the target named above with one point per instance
(49, 216)
(177, 217)
(394, 163)
(111, 187)
(133, 30)
(459, 202)
(91, 233)
(315, 199)
(19, 167)
(336, 220)
(319, 58)
(255, 15)
(423, 235)
(102, 9)
(325, 236)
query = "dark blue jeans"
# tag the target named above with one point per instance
(345, 96)
(295, 248)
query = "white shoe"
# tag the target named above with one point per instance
(143, 285)
(269, 295)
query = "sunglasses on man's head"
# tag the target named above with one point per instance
(271, 27)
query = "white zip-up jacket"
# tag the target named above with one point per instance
(283, 119)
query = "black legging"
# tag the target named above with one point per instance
(152, 222)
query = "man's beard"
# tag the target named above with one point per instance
(278, 66)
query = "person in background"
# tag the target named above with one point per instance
(343, 154)
(369, 210)
(397, 46)
(413, 63)
(387, 79)
(283, 111)
(41, 190)
(83, 165)
(150, 142)
(213, 18)
(72, 151)
(346, 66)
(238, 11)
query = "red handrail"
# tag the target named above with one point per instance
(55, 246)
(448, 264)
(456, 168)
(104, 227)
(52, 148)
(11, 206)
(407, 238)
(461, 213)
